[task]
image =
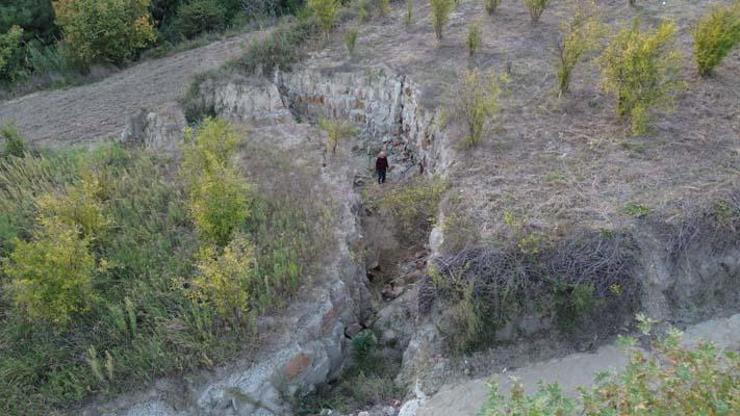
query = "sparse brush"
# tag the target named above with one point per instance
(491, 6)
(384, 7)
(474, 39)
(326, 12)
(536, 7)
(363, 15)
(477, 103)
(580, 35)
(641, 69)
(350, 40)
(14, 143)
(441, 10)
(336, 131)
(715, 36)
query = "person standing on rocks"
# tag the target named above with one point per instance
(381, 166)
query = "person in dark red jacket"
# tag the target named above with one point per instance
(381, 166)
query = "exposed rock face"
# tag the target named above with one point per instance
(160, 129)
(382, 102)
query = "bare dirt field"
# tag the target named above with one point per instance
(100, 109)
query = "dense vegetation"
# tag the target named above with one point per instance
(115, 269)
(670, 380)
(56, 42)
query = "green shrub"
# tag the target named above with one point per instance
(350, 40)
(670, 380)
(14, 144)
(218, 195)
(441, 10)
(363, 15)
(198, 16)
(477, 104)
(491, 6)
(641, 68)
(715, 35)
(384, 7)
(225, 279)
(325, 11)
(536, 7)
(580, 35)
(80, 208)
(51, 276)
(104, 30)
(363, 347)
(336, 132)
(11, 54)
(474, 39)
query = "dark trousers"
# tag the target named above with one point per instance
(381, 175)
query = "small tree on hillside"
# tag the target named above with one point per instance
(641, 69)
(536, 7)
(104, 30)
(477, 103)
(336, 131)
(11, 54)
(579, 36)
(491, 5)
(441, 10)
(715, 35)
(326, 11)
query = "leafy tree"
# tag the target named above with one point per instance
(491, 6)
(11, 54)
(326, 11)
(198, 16)
(51, 276)
(225, 279)
(641, 69)
(80, 208)
(104, 30)
(715, 35)
(580, 35)
(36, 17)
(441, 10)
(336, 131)
(474, 39)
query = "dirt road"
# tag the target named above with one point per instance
(99, 110)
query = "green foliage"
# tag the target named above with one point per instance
(412, 206)
(350, 40)
(104, 30)
(363, 347)
(636, 210)
(198, 16)
(715, 35)
(580, 35)
(536, 7)
(51, 276)
(36, 17)
(641, 68)
(325, 11)
(219, 196)
(670, 380)
(474, 39)
(491, 6)
(226, 279)
(384, 7)
(11, 54)
(336, 132)
(441, 10)
(477, 103)
(14, 143)
(573, 302)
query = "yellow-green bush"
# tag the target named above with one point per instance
(536, 7)
(326, 11)
(441, 10)
(104, 30)
(218, 194)
(477, 103)
(640, 68)
(51, 276)
(671, 380)
(474, 38)
(580, 35)
(226, 279)
(11, 52)
(715, 35)
(491, 5)
(79, 208)
(413, 206)
(336, 131)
